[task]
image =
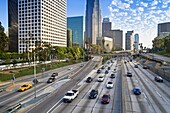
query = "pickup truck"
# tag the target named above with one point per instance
(70, 95)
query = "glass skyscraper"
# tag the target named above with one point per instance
(93, 21)
(137, 41)
(76, 25)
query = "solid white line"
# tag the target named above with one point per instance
(158, 94)
(144, 95)
(50, 110)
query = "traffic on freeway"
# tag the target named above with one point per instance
(117, 86)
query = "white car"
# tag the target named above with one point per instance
(100, 79)
(109, 85)
(70, 68)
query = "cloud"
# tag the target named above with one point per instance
(155, 2)
(141, 9)
(144, 4)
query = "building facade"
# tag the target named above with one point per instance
(13, 25)
(163, 29)
(136, 41)
(41, 21)
(118, 39)
(129, 41)
(69, 37)
(76, 25)
(93, 21)
(106, 42)
(106, 26)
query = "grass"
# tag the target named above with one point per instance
(30, 70)
(164, 53)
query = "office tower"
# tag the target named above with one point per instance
(118, 39)
(76, 25)
(13, 25)
(136, 41)
(41, 21)
(106, 26)
(93, 22)
(129, 41)
(163, 29)
(69, 37)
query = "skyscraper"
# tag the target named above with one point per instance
(93, 22)
(163, 29)
(43, 21)
(106, 26)
(76, 25)
(13, 25)
(136, 41)
(118, 39)
(129, 41)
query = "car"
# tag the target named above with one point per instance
(145, 67)
(136, 66)
(125, 62)
(108, 68)
(100, 79)
(158, 79)
(25, 87)
(103, 67)
(93, 94)
(89, 79)
(112, 75)
(136, 91)
(98, 71)
(106, 72)
(51, 79)
(70, 95)
(54, 75)
(105, 98)
(129, 74)
(70, 68)
(81, 65)
(109, 85)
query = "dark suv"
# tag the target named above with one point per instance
(98, 71)
(93, 94)
(112, 75)
(54, 75)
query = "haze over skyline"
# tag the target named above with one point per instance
(142, 16)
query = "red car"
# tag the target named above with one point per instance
(105, 98)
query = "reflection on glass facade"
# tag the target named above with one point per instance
(76, 25)
(137, 41)
(93, 22)
(164, 29)
(13, 25)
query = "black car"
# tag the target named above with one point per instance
(93, 94)
(129, 74)
(98, 71)
(51, 79)
(54, 75)
(108, 68)
(136, 66)
(106, 72)
(112, 75)
(158, 79)
(103, 67)
(136, 91)
(89, 79)
(145, 67)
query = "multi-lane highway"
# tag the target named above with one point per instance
(154, 97)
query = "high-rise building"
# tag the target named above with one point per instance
(129, 41)
(76, 25)
(106, 26)
(93, 21)
(163, 29)
(69, 37)
(41, 21)
(136, 41)
(13, 25)
(118, 39)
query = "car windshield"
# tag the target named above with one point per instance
(69, 94)
(105, 96)
(109, 82)
(24, 85)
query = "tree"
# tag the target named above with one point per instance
(4, 40)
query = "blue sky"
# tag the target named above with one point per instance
(142, 16)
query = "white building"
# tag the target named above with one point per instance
(129, 41)
(43, 21)
(108, 43)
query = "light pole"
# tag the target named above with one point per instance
(35, 78)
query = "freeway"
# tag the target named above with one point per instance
(154, 97)
(13, 97)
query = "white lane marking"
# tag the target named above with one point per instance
(144, 95)
(159, 94)
(50, 110)
(146, 80)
